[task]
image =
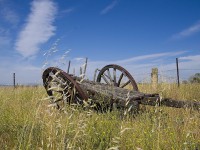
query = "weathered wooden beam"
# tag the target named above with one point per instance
(170, 103)
(113, 94)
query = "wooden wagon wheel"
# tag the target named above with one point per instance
(62, 88)
(117, 76)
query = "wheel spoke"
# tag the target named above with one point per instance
(72, 94)
(58, 100)
(66, 88)
(109, 76)
(114, 76)
(103, 76)
(125, 84)
(78, 100)
(120, 78)
(106, 76)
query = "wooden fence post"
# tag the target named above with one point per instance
(81, 71)
(177, 70)
(85, 67)
(14, 80)
(74, 72)
(68, 66)
(154, 78)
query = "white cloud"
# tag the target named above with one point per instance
(38, 29)
(139, 66)
(188, 32)
(78, 58)
(151, 56)
(109, 7)
(191, 58)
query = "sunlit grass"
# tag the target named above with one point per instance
(26, 122)
(184, 92)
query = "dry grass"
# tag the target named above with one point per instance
(27, 123)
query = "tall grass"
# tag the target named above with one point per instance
(26, 122)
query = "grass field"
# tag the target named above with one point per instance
(27, 123)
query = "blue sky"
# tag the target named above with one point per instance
(138, 35)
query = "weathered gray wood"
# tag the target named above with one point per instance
(154, 78)
(14, 80)
(68, 66)
(85, 67)
(171, 103)
(177, 71)
(121, 96)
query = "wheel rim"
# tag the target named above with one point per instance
(117, 76)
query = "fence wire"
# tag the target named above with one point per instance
(169, 76)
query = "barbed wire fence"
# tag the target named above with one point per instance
(164, 76)
(175, 75)
(168, 76)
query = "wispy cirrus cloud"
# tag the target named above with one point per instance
(136, 59)
(140, 65)
(38, 29)
(188, 31)
(150, 56)
(193, 58)
(109, 7)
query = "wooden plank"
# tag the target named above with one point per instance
(120, 95)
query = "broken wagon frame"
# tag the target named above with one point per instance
(109, 86)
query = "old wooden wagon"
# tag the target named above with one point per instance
(114, 87)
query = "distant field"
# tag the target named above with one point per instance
(27, 123)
